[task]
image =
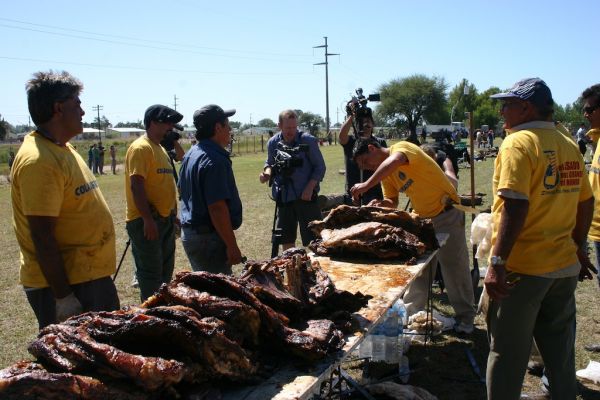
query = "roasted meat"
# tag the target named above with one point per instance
(26, 380)
(345, 216)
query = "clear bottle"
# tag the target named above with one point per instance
(378, 340)
(390, 329)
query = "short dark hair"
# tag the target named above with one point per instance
(208, 131)
(592, 91)
(362, 146)
(47, 88)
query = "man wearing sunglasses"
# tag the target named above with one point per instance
(538, 247)
(591, 111)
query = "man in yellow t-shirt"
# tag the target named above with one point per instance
(541, 214)
(151, 201)
(62, 222)
(405, 168)
(591, 111)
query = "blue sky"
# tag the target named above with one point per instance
(257, 56)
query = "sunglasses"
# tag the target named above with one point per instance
(590, 109)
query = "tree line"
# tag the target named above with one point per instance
(406, 103)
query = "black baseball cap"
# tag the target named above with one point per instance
(533, 90)
(208, 115)
(160, 113)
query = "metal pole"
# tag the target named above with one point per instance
(98, 108)
(326, 63)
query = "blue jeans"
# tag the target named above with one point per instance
(154, 259)
(206, 251)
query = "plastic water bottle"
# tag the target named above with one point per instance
(366, 347)
(390, 329)
(378, 340)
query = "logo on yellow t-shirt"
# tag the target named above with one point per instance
(552, 175)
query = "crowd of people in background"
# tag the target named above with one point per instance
(544, 204)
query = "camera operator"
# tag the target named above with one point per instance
(211, 208)
(294, 188)
(364, 117)
(171, 143)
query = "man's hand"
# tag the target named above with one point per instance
(495, 282)
(264, 176)
(586, 265)
(67, 307)
(357, 190)
(307, 194)
(150, 229)
(234, 255)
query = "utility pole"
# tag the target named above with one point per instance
(98, 108)
(250, 123)
(175, 102)
(326, 64)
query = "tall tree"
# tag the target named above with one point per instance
(5, 128)
(459, 102)
(487, 111)
(266, 123)
(311, 121)
(407, 101)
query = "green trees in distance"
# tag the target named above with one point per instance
(311, 121)
(266, 123)
(129, 124)
(407, 101)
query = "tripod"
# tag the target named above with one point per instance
(277, 233)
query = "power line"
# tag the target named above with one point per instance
(153, 41)
(152, 69)
(150, 46)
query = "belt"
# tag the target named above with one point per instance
(200, 228)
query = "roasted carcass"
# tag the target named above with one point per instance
(26, 380)
(373, 232)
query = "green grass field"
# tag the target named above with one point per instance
(18, 324)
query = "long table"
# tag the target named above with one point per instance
(386, 282)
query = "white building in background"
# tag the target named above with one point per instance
(89, 134)
(125, 133)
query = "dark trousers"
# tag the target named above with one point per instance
(297, 212)
(539, 308)
(97, 295)
(154, 259)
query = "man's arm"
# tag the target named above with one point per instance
(48, 254)
(345, 130)
(450, 173)
(387, 167)
(512, 219)
(583, 221)
(318, 170)
(141, 203)
(51, 263)
(220, 218)
(179, 152)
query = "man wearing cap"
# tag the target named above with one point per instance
(62, 222)
(211, 208)
(405, 168)
(296, 189)
(538, 248)
(151, 201)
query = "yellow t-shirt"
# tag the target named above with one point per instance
(54, 181)
(546, 167)
(422, 180)
(594, 135)
(594, 177)
(150, 161)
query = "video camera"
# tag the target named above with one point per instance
(287, 159)
(169, 140)
(357, 106)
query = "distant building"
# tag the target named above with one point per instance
(125, 133)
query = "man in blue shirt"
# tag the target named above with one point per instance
(295, 188)
(211, 208)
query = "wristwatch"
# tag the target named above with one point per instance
(497, 260)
